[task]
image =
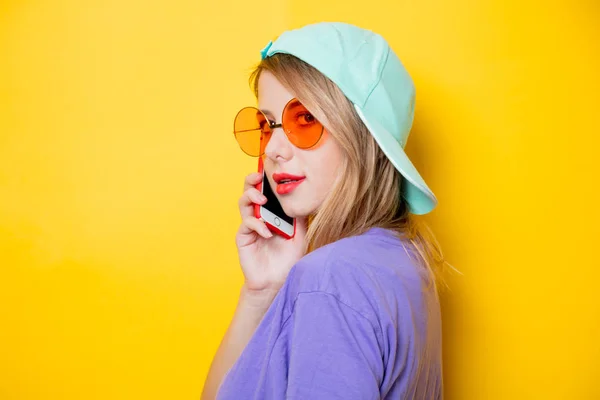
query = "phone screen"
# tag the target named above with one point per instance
(272, 203)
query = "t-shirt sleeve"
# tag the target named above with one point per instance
(333, 350)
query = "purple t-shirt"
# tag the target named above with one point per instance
(354, 320)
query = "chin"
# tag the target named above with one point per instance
(292, 209)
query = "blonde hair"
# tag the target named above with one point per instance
(370, 179)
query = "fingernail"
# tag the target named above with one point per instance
(268, 232)
(263, 198)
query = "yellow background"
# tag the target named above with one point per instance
(119, 178)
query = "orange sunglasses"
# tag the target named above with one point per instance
(252, 128)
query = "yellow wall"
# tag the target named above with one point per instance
(119, 178)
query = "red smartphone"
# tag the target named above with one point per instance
(271, 212)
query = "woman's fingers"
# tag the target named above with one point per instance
(251, 195)
(251, 225)
(249, 198)
(252, 180)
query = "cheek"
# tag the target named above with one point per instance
(325, 165)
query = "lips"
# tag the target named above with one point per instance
(286, 183)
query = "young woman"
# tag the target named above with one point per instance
(348, 308)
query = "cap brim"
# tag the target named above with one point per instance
(419, 197)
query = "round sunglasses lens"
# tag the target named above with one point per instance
(251, 130)
(302, 128)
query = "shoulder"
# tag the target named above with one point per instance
(365, 272)
(377, 253)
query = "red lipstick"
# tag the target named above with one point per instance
(287, 182)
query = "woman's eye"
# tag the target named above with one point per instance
(265, 125)
(306, 118)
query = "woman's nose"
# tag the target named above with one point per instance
(278, 146)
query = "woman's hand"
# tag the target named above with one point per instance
(265, 258)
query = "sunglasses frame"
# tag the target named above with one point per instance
(274, 125)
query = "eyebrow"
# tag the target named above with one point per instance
(295, 103)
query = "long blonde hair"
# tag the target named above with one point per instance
(369, 179)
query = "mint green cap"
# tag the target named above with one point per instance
(365, 68)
